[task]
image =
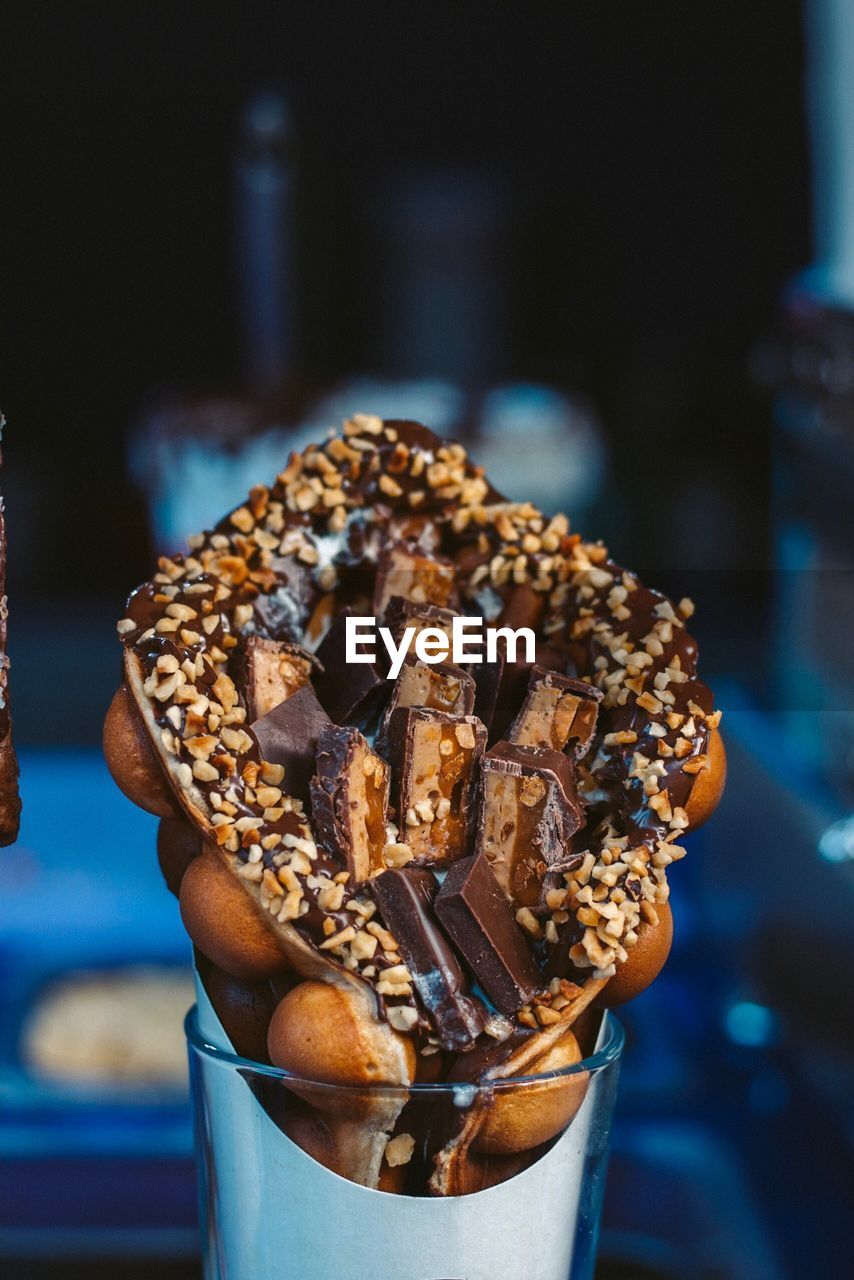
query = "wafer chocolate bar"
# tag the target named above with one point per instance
(529, 812)
(406, 899)
(349, 800)
(434, 757)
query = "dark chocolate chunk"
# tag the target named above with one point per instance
(529, 812)
(269, 671)
(480, 922)
(351, 692)
(559, 712)
(440, 687)
(500, 688)
(404, 570)
(434, 757)
(288, 736)
(405, 899)
(349, 801)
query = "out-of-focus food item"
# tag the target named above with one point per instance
(243, 1007)
(119, 1029)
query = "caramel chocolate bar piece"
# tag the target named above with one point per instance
(500, 685)
(433, 757)
(480, 922)
(404, 570)
(405, 899)
(401, 614)
(269, 672)
(529, 812)
(349, 801)
(288, 735)
(442, 687)
(559, 712)
(351, 692)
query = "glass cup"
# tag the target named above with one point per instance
(273, 1207)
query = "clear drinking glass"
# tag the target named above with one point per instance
(271, 1211)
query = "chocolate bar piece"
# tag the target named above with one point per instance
(480, 922)
(351, 692)
(501, 685)
(433, 757)
(349, 801)
(269, 672)
(405, 899)
(404, 570)
(442, 687)
(529, 812)
(288, 735)
(559, 712)
(401, 614)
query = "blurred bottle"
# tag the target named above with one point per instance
(195, 455)
(442, 247)
(439, 240)
(265, 216)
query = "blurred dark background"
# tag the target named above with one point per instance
(657, 167)
(598, 217)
